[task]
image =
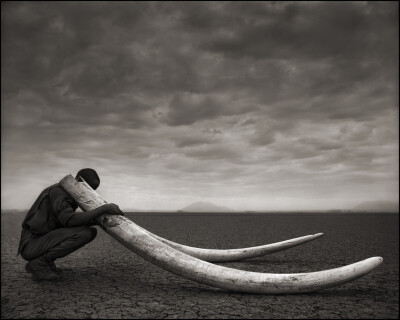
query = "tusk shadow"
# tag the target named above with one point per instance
(264, 261)
(327, 293)
(351, 293)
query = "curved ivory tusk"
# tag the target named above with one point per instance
(219, 255)
(203, 272)
(160, 254)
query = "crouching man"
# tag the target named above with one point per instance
(52, 230)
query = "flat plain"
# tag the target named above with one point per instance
(106, 280)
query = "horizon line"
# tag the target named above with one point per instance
(131, 210)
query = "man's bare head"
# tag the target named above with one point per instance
(90, 176)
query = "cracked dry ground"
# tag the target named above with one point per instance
(106, 280)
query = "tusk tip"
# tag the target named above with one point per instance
(375, 261)
(318, 234)
(379, 260)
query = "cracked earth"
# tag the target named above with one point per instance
(104, 280)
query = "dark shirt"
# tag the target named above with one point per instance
(51, 210)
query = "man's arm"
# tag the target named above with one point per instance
(91, 223)
(81, 219)
(64, 209)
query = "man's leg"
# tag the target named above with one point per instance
(42, 251)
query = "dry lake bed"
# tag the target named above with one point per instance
(106, 280)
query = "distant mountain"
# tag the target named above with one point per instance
(204, 207)
(130, 210)
(383, 206)
(14, 210)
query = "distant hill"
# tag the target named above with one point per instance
(383, 206)
(130, 210)
(204, 207)
(14, 210)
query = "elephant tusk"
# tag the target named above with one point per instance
(230, 255)
(162, 255)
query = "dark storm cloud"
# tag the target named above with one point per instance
(303, 50)
(81, 54)
(310, 29)
(69, 56)
(187, 108)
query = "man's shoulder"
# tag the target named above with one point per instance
(61, 198)
(57, 191)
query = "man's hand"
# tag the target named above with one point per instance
(83, 219)
(111, 208)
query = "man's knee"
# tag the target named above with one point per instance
(93, 233)
(90, 233)
(26, 255)
(87, 234)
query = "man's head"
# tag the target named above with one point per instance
(90, 176)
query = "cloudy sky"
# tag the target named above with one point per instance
(253, 106)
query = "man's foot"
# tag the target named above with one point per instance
(53, 268)
(40, 270)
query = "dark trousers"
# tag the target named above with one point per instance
(58, 243)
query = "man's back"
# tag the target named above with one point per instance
(50, 211)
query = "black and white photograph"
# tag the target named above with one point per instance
(199, 160)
